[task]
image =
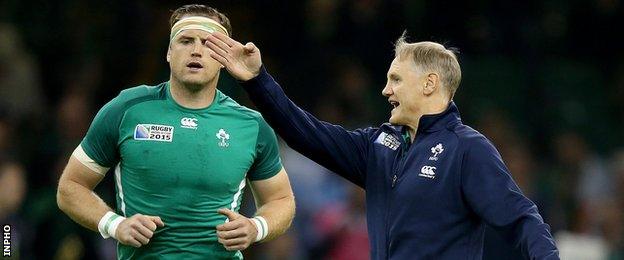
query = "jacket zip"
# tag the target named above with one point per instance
(395, 172)
(399, 171)
(403, 154)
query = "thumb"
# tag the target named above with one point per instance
(231, 215)
(250, 47)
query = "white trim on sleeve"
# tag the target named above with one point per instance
(81, 156)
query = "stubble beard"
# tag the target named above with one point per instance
(194, 86)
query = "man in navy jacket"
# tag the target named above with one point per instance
(432, 183)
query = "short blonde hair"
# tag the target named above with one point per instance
(432, 57)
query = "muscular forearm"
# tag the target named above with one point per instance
(81, 204)
(278, 214)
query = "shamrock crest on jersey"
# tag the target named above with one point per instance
(436, 150)
(223, 136)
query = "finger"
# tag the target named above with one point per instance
(139, 237)
(132, 242)
(231, 234)
(236, 247)
(157, 221)
(148, 223)
(218, 51)
(220, 59)
(233, 245)
(219, 43)
(226, 39)
(232, 225)
(143, 230)
(233, 242)
(231, 215)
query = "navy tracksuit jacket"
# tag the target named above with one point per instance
(427, 200)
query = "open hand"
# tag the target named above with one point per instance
(242, 61)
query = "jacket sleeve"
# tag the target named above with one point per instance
(341, 151)
(493, 195)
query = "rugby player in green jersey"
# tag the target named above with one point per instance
(182, 152)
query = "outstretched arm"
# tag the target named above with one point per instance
(344, 152)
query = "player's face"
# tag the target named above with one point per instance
(189, 59)
(404, 90)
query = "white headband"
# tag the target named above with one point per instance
(198, 23)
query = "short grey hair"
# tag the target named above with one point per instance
(432, 57)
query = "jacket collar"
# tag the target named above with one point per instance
(436, 122)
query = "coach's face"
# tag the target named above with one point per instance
(189, 59)
(404, 90)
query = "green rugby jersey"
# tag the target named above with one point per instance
(180, 164)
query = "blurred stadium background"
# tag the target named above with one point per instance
(544, 80)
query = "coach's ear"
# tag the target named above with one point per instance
(168, 54)
(431, 83)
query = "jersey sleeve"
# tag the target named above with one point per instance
(100, 143)
(268, 162)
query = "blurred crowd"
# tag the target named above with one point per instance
(544, 80)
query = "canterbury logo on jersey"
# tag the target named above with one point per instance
(427, 171)
(150, 132)
(188, 122)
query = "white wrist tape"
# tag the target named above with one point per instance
(261, 226)
(108, 224)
